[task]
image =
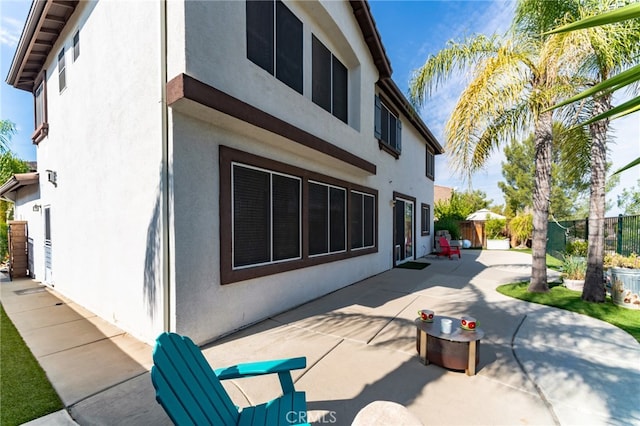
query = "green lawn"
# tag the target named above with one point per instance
(552, 262)
(560, 297)
(25, 391)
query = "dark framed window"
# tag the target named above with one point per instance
(275, 217)
(425, 219)
(62, 75)
(362, 220)
(388, 127)
(40, 109)
(431, 165)
(266, 216)
(274, 40)
(76, 45)
(329, 81)
(327, 219)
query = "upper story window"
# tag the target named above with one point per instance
(62, 78)
(274, 40)
(40, 108)
(76, 45)
(329, 81)
(388, 128)
(431, 165)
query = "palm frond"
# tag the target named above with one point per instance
(631, 11)
(456, 56)
(628, 166)
(614, 83)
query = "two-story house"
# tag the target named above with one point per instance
(203, 165)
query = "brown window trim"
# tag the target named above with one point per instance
(40, 133)
(227, 274)
(388, 149)
(42, 130)
(396, 195)
(428, 231)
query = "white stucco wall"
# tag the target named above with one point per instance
(105, 145)
(108, 210)
(204, 309)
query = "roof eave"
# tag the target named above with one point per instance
(17, 181)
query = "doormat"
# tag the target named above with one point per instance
(413, 265)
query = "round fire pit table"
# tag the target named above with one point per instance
(458, 350)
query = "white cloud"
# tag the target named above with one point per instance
(10, 31)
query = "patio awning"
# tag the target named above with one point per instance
(19, 180)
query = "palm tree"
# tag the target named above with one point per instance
(516, 79)
(602, 51)
(7, 130)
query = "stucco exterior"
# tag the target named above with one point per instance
(136, 210)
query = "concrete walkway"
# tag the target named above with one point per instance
(538, 365)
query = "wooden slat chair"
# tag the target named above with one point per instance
(448, 250)
(190, 391)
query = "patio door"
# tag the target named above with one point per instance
(403, 230)
(48, 269)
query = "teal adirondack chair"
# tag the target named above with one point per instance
(190, 391)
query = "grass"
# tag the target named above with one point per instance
(25, 391)
(561, 297)
(552, 262)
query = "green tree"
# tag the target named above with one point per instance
(7, 130)
(516, 78)
(9, 165)
(567, 185)
(461, 204)
(629, 200)
(601, 51)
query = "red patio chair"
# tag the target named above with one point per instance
(447, 250)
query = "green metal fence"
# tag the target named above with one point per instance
(621, 234)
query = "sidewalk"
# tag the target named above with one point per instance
(538, 365)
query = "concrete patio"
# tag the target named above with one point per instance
(538, 365)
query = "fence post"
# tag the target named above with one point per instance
(619, 235)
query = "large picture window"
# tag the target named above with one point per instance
(327, 219)
(388, 128)
(266, 217)
(275, 217)
(329, 81)
(274, 40)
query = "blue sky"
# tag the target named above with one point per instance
(410, 30)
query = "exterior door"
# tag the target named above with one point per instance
(403, 239)
(48, 270)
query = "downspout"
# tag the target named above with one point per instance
(166, 208)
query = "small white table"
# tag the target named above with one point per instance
(458, 350)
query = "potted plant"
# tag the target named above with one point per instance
(574, 270)
(495, 230)
(625, 279)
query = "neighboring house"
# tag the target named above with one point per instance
(204, 165)
(441, 193)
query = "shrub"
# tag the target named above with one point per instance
(521, 227)
(495, 228)
(574, 267)
(448, 224)
(616, 260)
(577, 248)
